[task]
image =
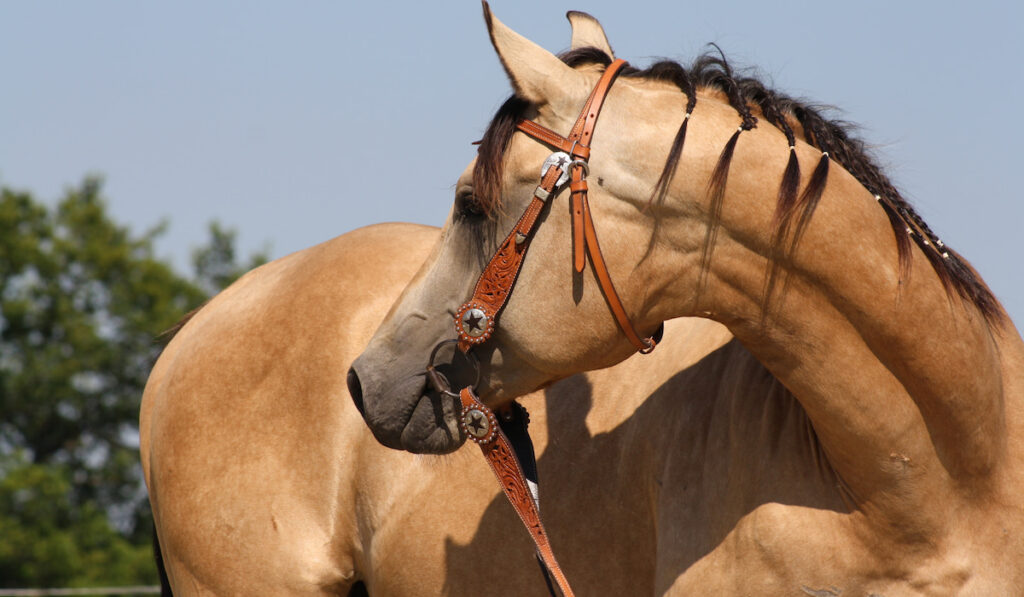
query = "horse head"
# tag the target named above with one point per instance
(556, 322)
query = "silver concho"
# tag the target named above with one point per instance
(560, 159)
(476, 423)
(474, 322)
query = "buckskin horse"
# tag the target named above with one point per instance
(859, 437)
(720, 198)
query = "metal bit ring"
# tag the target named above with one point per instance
(438, 380)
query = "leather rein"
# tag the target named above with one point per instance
(503, 437)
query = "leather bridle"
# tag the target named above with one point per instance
(476, 318)
(503, 437)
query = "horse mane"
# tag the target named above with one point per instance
(747, 94)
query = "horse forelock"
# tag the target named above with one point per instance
(712, 75)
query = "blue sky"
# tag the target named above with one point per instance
(281, 119)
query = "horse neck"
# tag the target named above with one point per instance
(870, 354)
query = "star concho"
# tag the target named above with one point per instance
(561, 160)
(473, 324)
(479, 424)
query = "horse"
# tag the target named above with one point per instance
(722, 199)
(264, 480)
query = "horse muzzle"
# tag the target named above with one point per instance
(403, 412)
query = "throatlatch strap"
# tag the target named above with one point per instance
(605, 280)
(506, 467)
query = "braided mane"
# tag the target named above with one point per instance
(748, 95)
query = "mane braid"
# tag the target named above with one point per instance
(672, 72)
(809, 199)
(716, 188)
(772, 106)
(715, 71)
(819, 134)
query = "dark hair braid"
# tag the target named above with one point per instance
(715, 72)
(672, 72)
(774, 107)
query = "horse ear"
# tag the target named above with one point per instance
(537, 75)
(587, 32)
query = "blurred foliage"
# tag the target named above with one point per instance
(82, 301)
(52, 539)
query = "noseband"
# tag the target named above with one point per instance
(503, 438)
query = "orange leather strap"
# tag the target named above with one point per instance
(475, 319)
(645, 345)
(481, 425)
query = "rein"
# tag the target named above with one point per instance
(503, 437)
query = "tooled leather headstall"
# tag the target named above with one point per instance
(476, 319)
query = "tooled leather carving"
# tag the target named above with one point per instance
(498, 452)
(499, 277)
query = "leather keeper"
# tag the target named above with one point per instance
(578, 186)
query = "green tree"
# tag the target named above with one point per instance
(51, 538)
(82, 301)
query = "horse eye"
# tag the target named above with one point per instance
(467, 205)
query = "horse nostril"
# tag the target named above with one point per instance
(355, 389)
